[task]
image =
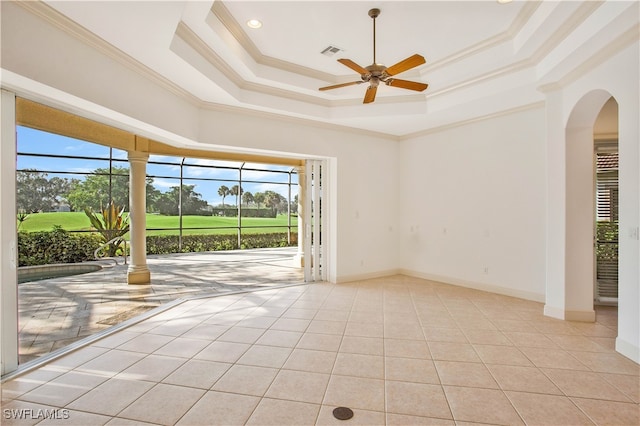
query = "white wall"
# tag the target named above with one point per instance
(473, 200)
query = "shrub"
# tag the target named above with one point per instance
(56, 246)
(166, 244)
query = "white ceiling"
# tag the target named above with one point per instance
(482, 57)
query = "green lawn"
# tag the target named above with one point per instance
(78, 221)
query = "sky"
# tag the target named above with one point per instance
(164, 175)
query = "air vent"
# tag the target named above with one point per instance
(331, 50)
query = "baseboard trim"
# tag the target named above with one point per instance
(628, 349)
(520, 294)
(367, 276)
(563, 314)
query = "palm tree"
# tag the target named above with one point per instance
(223, 191)
(247, 197)
(258, 198)
(236, 190)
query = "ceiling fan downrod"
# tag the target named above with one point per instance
(374, 13)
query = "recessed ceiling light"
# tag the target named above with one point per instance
(254, 23)
(504, 1)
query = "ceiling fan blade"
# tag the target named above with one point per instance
(357, 68)
(336, 86)
(406, 84)
(407, 64)
(370, 95)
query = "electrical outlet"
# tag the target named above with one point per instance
(486, 270)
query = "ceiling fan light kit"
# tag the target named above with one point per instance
(376, 73)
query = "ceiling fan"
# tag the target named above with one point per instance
(376, 73)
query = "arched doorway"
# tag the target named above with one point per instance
(580, 206)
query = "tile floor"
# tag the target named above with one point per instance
(397, 350)
(56, 312)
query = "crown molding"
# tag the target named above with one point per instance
(220, 11)
(78, 32)
(509, 111)
(216, 107)
(606, 52)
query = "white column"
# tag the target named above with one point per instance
(302, 195)
(8, 239)
(138, 272)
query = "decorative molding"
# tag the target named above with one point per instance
(220, 11)
(75, 30)
(502, 113)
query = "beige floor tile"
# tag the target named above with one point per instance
(163, 404)
(468, 374)
(24, 383)
(299, 386)
(367, 314)
(539, 409)
(77, 358)
(262, 322)
(175, 327)
(222, 351)
(523, 379)
(416, 399)
(406, 420)
(219, 408)
(111, 397)
(332, 315)
(484, 406)
(206, 331)
(364, 329)
(152, 368)
(327, 327)
(514, 325)
(182, 347)
(19, 412)
(629, 385)
(360, 417)
(553, 358)
(355, 393)
(358, 365)
(287, 339)
(276, 412)
(411, 370)
(246, 379)
(453, 352)
(265, 356)
(504, 355)
(241, 335)
(291, 324)
(406, 348)
(311, 360)
(307, 314)
(607, 362)
(531, 340)
(321, 342)
(487, 337)
(440, 334)
(145, 343)
(362, 345)
(403, 331)
(584, 385)
(197, 374)
(116, 339)
(64, 389)
(609, 413)
(76, 418)
(576, 343)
